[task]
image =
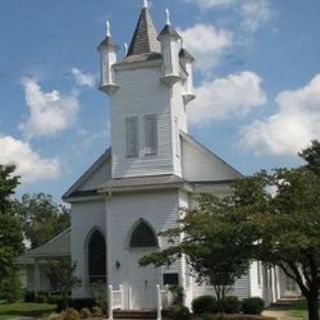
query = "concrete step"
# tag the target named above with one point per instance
(135, 314)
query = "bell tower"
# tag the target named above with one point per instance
(149, 90)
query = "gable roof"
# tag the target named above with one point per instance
(144, 39)
(92, 169)
(210, 167)
(200, 166)
(59, 246)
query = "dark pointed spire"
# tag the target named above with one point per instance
(107, 41)
(144, 39)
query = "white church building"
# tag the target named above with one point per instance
(138, 186)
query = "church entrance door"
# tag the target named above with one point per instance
(143, 281)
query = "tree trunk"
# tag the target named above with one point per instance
(313, 306)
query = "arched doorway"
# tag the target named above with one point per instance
(143, 280)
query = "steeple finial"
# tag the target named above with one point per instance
(108, 32)
(168, 22)
(145, 4)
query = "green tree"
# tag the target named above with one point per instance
(42, 218)
(60, 273)
(11, 239)
(8, 184)
(10, 287)
(283, 208)
(217, 242)
(280, 228)
(289, 225)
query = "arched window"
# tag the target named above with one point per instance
(97, 264)
(143, 236)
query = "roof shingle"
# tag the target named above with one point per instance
(144, 39)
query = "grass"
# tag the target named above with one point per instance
(299, 310)
(22, 309)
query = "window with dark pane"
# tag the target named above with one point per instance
(170, 279)
(97, 257)
(143, 237)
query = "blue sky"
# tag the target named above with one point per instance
(257, 78)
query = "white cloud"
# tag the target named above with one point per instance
(83, 78)
(206, 43)
(254, 13)
(233, 96)
(50, 112)
(29, 165)
(206, 4)
(292, 127)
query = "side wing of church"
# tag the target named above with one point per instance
(153, 168)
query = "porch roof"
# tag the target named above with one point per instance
(144, 182)
(58, 246)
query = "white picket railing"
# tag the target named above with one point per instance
(115, 300)
(164, 299)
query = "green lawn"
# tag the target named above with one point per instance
(22, 309)
(299, 310)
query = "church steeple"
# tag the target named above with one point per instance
(144, 39)
(149, 90)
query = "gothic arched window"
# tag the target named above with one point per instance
(143, 236)
(97, 264)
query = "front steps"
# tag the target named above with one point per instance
(134, 314)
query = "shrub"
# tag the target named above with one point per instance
(85, 313)
(204, 304)
(97, 311)
(55, 316)
(42, 297)
(53, 299)
(77, 304)
(177, 294)
(254, 305)
(178, 312)
(10, 288)
(29, 296)
(99, 293)
(72, 314)
(234, 317)
(229, 305)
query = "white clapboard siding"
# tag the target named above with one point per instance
(98, 177)
(255, 287)
(178, 123)
(200, 164)
(160, 209)
(140, 94)
(85, 216)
